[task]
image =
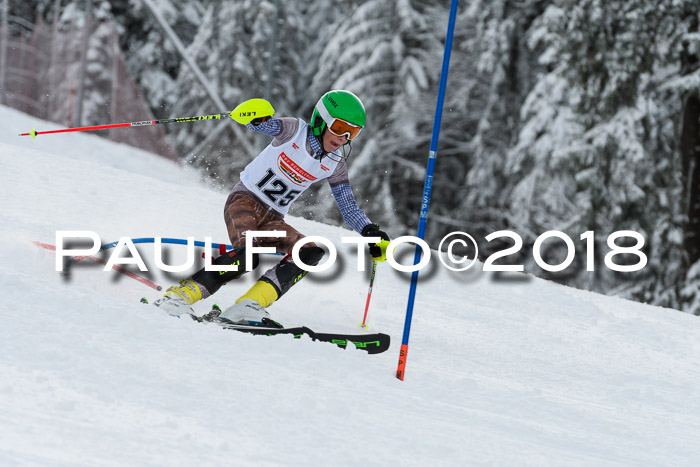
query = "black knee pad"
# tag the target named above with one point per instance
(311, 255)
(236, 256)
(213, 280)
(286, 273)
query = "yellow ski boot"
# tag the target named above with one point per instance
(249, 310)
(178, 298)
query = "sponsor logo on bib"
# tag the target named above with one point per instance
(293, 171)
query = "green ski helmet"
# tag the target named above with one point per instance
(334, 110)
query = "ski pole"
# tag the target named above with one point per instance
(34, 133)
(369, 294)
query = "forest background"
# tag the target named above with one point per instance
(568, 115)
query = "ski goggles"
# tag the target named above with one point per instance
(342, 128)
(337, 126)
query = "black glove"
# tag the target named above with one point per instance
(376, 250)
(258, 121)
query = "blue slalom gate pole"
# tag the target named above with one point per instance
(427, 188)
(172, 241)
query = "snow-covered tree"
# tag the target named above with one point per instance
(152, 59)
(495, 69)
(597, 145)
(387, 54)
(232, 47)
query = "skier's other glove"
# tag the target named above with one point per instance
(377, 250)
(253, 111)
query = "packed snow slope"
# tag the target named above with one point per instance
(520, 372)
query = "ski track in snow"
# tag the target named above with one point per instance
(525, 372)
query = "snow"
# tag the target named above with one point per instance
(509, 371)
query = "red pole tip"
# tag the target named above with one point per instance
(401, 370)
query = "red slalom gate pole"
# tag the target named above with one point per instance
(33, 133)
(369, 294)
(126, 272)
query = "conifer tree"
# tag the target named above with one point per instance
(385, 53)
(232, 47)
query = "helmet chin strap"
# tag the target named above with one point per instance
(333, 155)
(346, 155)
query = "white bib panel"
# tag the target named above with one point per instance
(280, 174)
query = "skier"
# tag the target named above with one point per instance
(298, 155)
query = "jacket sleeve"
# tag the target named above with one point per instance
(270, 127)
(352, 214)
(282, 129)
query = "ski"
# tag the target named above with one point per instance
(371, 343)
